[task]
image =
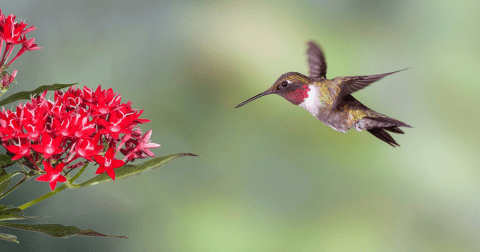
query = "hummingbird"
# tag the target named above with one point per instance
(331, 101)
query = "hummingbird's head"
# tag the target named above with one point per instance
(292, 86)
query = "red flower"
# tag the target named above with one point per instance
(20, 150)
(52, 175)
(83, 128)
(78, 124)
(104, 105)
(50, 146)
(63, 128)
(12, 128)
(116, 125)
(107, 163)
(87, 149)
(34, 125)
(11, 32)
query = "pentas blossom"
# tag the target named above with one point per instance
(108, 163)
(52, 175)
(13, 33)
(77, 127)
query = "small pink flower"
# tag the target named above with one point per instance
(7, 79)
(142, 147)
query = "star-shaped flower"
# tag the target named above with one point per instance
(22, 149)
(50, 146)
(87, 148)
(108, 163)
(52, 175)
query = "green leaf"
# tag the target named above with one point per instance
(58, 231)
(8, 237)
(12, 213)
(131, 170)
(5, 179)
(6, 160)
(25, 95)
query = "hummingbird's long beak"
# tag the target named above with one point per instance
(256, 97)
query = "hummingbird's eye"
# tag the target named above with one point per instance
(284, 83)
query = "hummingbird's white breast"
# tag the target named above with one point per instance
(312, 102)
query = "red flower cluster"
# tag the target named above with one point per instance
(11, 33)
(77, 124)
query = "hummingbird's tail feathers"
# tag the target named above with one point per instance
(381, 134)
(384, 122)
(378, 126)
(394, 129)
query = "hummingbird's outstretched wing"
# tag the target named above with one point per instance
(348, 85)
(316, 61)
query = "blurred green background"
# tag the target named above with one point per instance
(277, 179)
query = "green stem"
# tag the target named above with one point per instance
(45, 196)
(79, 172)
(23, 168)
(68, 184)
(25, 178)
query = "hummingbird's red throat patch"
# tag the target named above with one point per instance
(299, 95)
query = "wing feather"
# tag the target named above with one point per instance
(316, 61)
(352, 84)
